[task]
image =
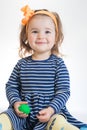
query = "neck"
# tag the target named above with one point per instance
(42, 56)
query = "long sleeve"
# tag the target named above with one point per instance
(13, 85)
(62, 87)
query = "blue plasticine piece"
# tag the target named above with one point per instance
(0, 126)
(83, 128)
(62, 128)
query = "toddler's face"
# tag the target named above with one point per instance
(41, 33)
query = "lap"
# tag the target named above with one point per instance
(57, 122)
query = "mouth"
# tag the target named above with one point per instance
(40, 42)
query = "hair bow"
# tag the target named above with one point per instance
(28, 13)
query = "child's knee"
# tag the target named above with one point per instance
(58, 122)
(5, 122)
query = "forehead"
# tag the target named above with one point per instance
(41, 19)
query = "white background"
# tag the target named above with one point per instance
(73, 14)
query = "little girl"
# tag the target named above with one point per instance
(41, 79)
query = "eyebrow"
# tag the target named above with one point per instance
(38, 29)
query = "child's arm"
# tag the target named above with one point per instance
(13, 86)
(62, 87)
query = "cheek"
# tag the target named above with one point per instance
(30, 39)
(52, 39)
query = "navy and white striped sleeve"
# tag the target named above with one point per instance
(13, 85)
(62, 87)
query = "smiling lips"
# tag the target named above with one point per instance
(40, 42)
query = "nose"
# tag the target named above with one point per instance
(41, 35)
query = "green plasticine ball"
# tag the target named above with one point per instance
(24, 108)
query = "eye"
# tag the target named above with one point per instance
(47, 31)
(34, 31)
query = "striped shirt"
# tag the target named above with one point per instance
(41, 83)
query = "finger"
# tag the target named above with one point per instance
(41, 117)
(42, 112)
(23, 115)
(23, 102)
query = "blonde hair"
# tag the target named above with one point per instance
(24, 45)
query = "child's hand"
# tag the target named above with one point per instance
(45, 114)
(19, 113)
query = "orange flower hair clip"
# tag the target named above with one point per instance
(28, 13)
